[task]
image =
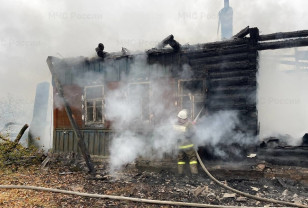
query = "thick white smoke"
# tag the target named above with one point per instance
(282, 97)
(154, 136)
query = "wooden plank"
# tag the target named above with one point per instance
(70, 141)
(217, 51)
(75, 147)
(232, 89)
(205, 46)
(284, 35)
(107, 144)
(58, 86)
(232, 81)
(96, 143)
(222, 58)
(104, 147)
(65, 141)
(238, 65)
(300, 42)
(219, 107)
(242, 33)
(61, 143)
(91, 142)
(224, 43)
(55, 141)
(248, 73)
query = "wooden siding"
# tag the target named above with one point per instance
(97, 141)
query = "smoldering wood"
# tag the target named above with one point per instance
(231, 66)
(21, 132)
(300, 42)
(203, 47)
(232, 89)
(222, 44)
(218, 51)
(169, 41)
(81, 143)
(237, 96)
(101, 46)
(284, 35)
(235, 106)
(125, 51)
(242, 33)
(249, 73)
(219, 59)
(214, 102)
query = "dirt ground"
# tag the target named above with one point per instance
(131, 182)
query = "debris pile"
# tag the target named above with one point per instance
(131, 182)
(13, 154)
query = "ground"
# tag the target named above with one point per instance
(132, 182)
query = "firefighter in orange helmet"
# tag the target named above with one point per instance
(183, 127)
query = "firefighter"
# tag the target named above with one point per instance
(186, 147)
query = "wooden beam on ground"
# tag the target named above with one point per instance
(81, 143)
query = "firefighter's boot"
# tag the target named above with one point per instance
(194, 169)
(180, 169)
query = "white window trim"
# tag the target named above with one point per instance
(87, 122)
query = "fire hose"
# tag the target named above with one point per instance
(237, 191)
(243, 193)
(102, 196)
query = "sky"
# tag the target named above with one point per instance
(30, 31)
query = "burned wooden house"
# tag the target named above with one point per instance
(221, 76)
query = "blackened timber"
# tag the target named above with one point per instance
(229, 81)
(224, 102)
(217, 51)
(237, 96)
(219, 59)
(249, 73)
(232, 90)
(218, 107)
(81, 143)
(242, 33)
(221, 44)
(238, 65)
(21, 132)
(169, 41)
(284, 35)
(206, 46)
(300, 42)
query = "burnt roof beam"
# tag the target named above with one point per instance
(171, 42)
(291, 43)
(284, 35)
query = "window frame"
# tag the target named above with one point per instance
(192, 96)
(94, 101)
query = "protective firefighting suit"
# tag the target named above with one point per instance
(186, 147)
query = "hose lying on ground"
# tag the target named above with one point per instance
(246, 194)
(113, 197)
(157, 201)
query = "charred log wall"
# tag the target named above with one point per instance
(230, 72)
(229, 68)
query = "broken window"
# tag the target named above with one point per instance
(191, 95)
(94, 105)
(139, 97)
